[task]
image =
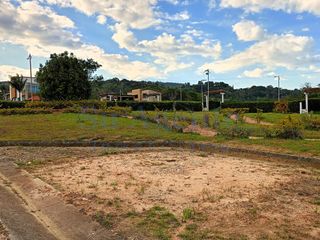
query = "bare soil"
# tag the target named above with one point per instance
(207, 132)
(250, 120)
(3, 233)
(225, 197)
(235, 197)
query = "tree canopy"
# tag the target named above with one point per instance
(18, 83)
(66, 77)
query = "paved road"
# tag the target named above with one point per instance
(22, 225)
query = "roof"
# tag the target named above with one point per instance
(312, 90)
(215, 91)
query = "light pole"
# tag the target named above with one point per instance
(31, 90)
(207, 72)
(278, 77)
(203, 80)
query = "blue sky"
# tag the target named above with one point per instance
(243, 43)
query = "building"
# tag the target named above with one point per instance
(26, 93)
(140, 95)
(114, 97)
(4, 90)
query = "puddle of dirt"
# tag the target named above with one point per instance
(236, 195)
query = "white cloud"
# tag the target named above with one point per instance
(42, 32)
(212, 4)
(101, 19)
(180, 16)
(299, 6)
(255, 73)
(166, 48)
(8, 70)
(248, 31)
(287, 51)
(133, 13)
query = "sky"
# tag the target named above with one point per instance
(241, 42)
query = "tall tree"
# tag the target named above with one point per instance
(18, 83)
(66, 77)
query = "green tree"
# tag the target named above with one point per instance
(65, 77)
(18, 83)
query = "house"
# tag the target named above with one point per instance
(4, 90)
(115, 97)
(140, 95)
(30, 91)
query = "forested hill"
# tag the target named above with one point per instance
(192, 92)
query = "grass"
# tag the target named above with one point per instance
(159, 223)
(101, 128)
(84, 127)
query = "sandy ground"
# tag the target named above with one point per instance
(192, 128)
(251, 120)
(235, 196)
(3, 233)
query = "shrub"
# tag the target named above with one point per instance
(111, 111)
(235, 131)
(259, 115)
(281, 106)
(289, 129)
(266, 106)
(310, 122)
(206, 120)
(11, 104)
(25, 111)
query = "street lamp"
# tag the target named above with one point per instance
(207, 72)
(31, 90)
(278, 77)
(203, 80)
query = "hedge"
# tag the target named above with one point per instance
(268, 106)
(11, 104)
(252, 106)
(136, 106)
(25, 111)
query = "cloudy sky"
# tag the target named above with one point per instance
(242, 42)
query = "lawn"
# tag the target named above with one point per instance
(84, 127)
(100, 128)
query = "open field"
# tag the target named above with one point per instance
(84, 127)
(87, 127)
(163, 193)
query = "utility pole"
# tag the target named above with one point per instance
(279, 93)
(180, 93)
(31, 89)
(207, 72)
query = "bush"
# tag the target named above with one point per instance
(289, 129)
(111, 111)
(281, 106)
(25, 111)
(252, 106)
(259, 115)
(310, 122)
(11, 104)
(235, 131)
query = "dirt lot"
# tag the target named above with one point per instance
(3, 233)
(182, 194)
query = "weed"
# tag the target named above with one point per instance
(105, 220)
(192, 232)
(159, 223)
(187, 214)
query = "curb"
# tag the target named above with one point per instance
(208, 147)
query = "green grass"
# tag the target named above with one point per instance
(159, 223)
(84, 127)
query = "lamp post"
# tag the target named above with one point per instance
(30, 64)
(279, 94)
(207, 72)
(203, 80)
